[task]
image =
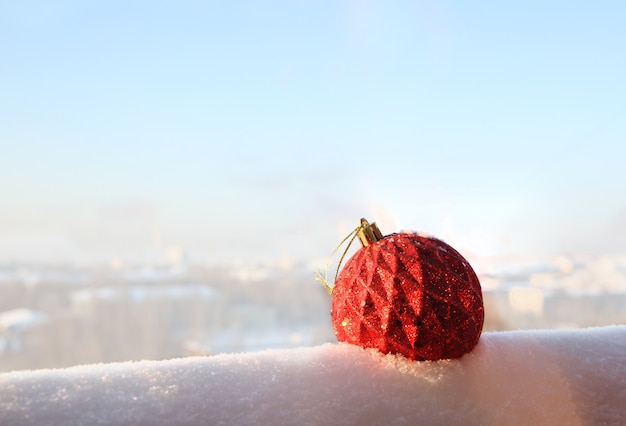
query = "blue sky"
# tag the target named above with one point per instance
(254, 130)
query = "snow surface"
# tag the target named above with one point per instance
(573, 377)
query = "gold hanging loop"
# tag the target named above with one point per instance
(367, 233)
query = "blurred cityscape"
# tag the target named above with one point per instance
(59, 316)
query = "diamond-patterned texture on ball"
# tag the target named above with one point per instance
(409, 294)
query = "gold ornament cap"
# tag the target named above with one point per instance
(368, 233)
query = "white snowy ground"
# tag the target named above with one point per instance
(575, 377)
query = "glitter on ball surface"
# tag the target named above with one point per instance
(409, 294)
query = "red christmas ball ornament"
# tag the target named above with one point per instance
(409, 294)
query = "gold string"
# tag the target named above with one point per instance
(323, 279)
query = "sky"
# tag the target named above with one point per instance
(252, 131)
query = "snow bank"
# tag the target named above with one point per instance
(521, 377)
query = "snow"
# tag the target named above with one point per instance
(569, 377)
